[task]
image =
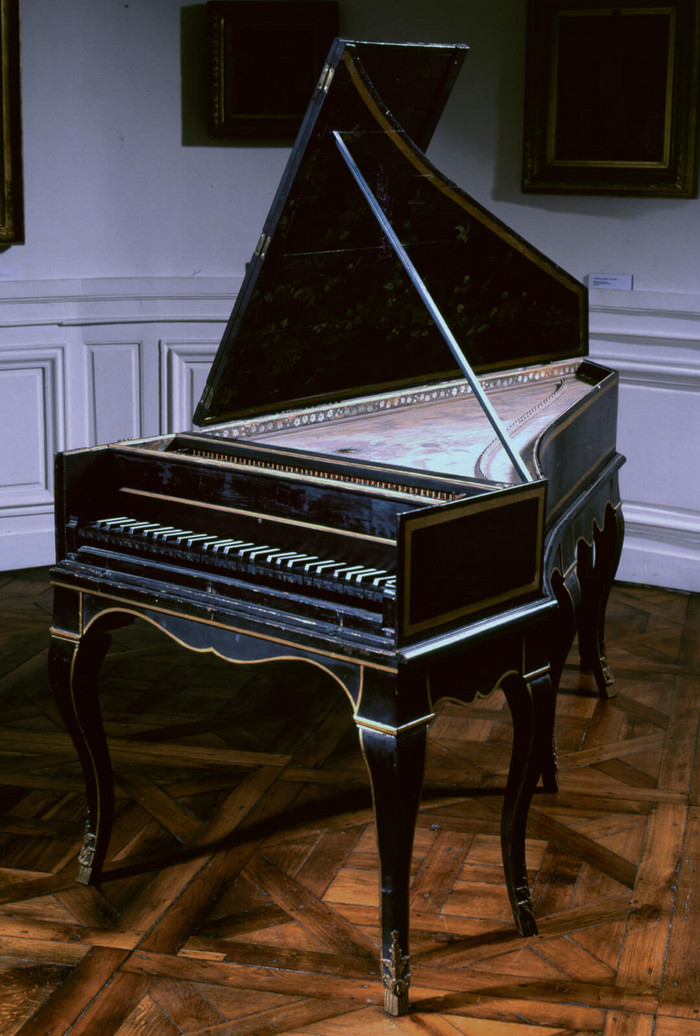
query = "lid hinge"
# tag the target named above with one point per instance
(325, 78)
(262, 245)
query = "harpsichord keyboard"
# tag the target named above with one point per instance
(240, 557)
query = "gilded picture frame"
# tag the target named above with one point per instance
(265, 58)
(611, 98)
(11, 192)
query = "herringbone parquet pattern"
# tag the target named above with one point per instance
(241, 892)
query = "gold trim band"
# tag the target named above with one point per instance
(527, 677)
(384, 728)
(72, 638)
(135, 608)
(278, 519)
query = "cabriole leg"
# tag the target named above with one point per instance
(532, 708)
(396, 762)
(596, 570)
(563, 626)
(73, 672)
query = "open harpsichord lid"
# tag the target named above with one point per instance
(327, 310)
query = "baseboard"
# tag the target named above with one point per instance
(27, 541)
(662, 548)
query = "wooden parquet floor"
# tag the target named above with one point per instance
(241, 891)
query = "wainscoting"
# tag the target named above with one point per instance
(90, 362)
(653, 340)
(93, 361)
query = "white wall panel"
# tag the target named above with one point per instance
(31, 429)
(650, 422)
(115, 391)
(185, 367)
(30, 411)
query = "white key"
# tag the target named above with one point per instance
(180, 534)
(106, 523)
(214, 542)
(319, 566)
(253, 549)
(145, 529)
(283, 555)
(299, 558)
(240, 546)
(195, 537)
(347, 571)
(160, 531)
(167, 531)
(367, 572)
(226, 545)
(264, 553)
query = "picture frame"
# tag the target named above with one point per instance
(611, 98)
(11, 189)
(265, 58)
